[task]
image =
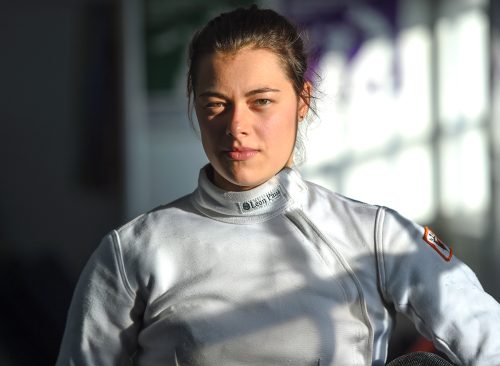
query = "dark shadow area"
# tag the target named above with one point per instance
(61, 181)
(35, 298)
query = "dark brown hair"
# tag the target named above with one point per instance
(250, 27)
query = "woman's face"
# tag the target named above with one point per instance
(247, 110)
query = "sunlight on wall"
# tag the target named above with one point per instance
(371, 114)
(377, 139)
(414, 98)
(372, 141)
(464, 167)
(463, 67)
(463, 94)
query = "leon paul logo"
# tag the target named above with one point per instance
(261, 201)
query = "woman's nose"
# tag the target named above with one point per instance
(239, 122)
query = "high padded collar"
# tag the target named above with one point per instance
(255, 205)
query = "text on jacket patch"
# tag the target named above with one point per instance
(261, 201)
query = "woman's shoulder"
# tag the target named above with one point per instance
(163, 211)
(337, 202)
(156, 236)
(158, 222)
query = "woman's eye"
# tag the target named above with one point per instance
(214, 105)
(263, 101)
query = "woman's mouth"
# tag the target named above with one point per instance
(241, 154)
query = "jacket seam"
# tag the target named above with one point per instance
(355, 279)
(117, 252)
(290, 222)
(379, 251)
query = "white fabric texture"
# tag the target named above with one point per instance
(287, 273)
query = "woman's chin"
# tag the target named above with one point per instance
(238, 182)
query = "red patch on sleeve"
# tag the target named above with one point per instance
(437, 244)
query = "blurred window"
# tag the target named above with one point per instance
(403, 123)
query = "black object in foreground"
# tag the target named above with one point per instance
(419, 359)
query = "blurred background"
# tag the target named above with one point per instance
(94, 131)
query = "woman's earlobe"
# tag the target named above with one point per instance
(305, 98)
(303, 109)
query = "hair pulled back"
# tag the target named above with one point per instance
(250, 27)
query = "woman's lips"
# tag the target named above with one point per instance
(241, 154)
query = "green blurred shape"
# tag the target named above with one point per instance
(168, 28)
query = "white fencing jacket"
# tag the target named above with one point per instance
(287, 273)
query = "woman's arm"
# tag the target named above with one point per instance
(439, 293)
(104, 315)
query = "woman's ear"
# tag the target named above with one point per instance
(305, 100)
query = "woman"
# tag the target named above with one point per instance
(257, 266)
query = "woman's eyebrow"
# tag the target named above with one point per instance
(261, 90)
(210, 93)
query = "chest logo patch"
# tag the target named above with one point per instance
(437, 244)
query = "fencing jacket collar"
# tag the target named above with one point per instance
(256, 205)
